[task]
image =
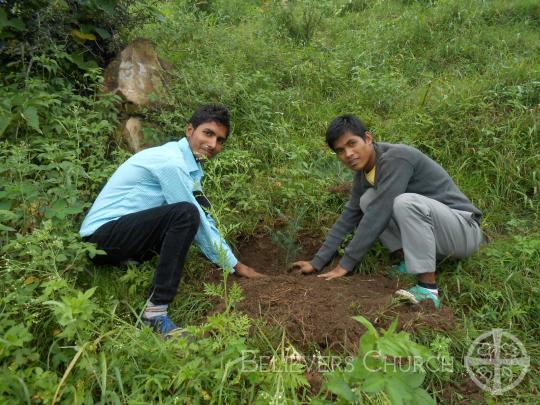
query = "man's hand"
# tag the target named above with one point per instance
(337, 272)
(246, 271)
(303, 267)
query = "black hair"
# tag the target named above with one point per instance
(209, 113)
(343, 124)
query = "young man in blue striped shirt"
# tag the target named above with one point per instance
(154, 203)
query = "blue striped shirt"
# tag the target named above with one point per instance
(153, 177)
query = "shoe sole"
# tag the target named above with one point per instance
(404, 295)
(407, 296)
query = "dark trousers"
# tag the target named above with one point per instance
(169, 230)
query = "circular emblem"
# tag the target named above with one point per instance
(497, 361)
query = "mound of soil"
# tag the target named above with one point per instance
(316, 311)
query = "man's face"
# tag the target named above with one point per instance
(355, 152)
(207, 140)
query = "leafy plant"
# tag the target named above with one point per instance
(390, 363)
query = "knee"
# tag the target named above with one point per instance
(405, 203)
(189, 211)
(368, 196)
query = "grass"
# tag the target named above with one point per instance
(458, 79)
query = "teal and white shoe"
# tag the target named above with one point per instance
(397, 270)
(417, 294)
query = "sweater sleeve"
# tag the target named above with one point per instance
(394, 178)
(345, 224)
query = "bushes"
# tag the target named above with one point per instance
(87, 31)
(301, 19)
(49, 157)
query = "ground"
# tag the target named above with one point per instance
(316, 312)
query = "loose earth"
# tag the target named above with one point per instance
(317, 312)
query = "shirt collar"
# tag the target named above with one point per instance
(191, 163)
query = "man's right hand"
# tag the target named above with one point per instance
(303, 267)
(245, 271)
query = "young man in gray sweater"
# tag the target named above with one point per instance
(405, 199)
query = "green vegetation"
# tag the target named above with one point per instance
(459, 79)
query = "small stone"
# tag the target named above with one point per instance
(132, 134)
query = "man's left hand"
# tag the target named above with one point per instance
(246, 271)
(338, 271)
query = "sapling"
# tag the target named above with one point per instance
(287, 238)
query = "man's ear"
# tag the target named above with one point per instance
(369, 137)
(189, 130)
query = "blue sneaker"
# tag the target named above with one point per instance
(164, 326)
(416, 294)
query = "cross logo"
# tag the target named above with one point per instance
(497, 361)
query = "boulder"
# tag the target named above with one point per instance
(136, 73)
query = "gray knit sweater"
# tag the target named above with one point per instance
(400, 169)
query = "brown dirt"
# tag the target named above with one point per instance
(464, 392)
(317, 312)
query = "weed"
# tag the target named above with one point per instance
(301, 19)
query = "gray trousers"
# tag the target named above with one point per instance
(426, 229)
